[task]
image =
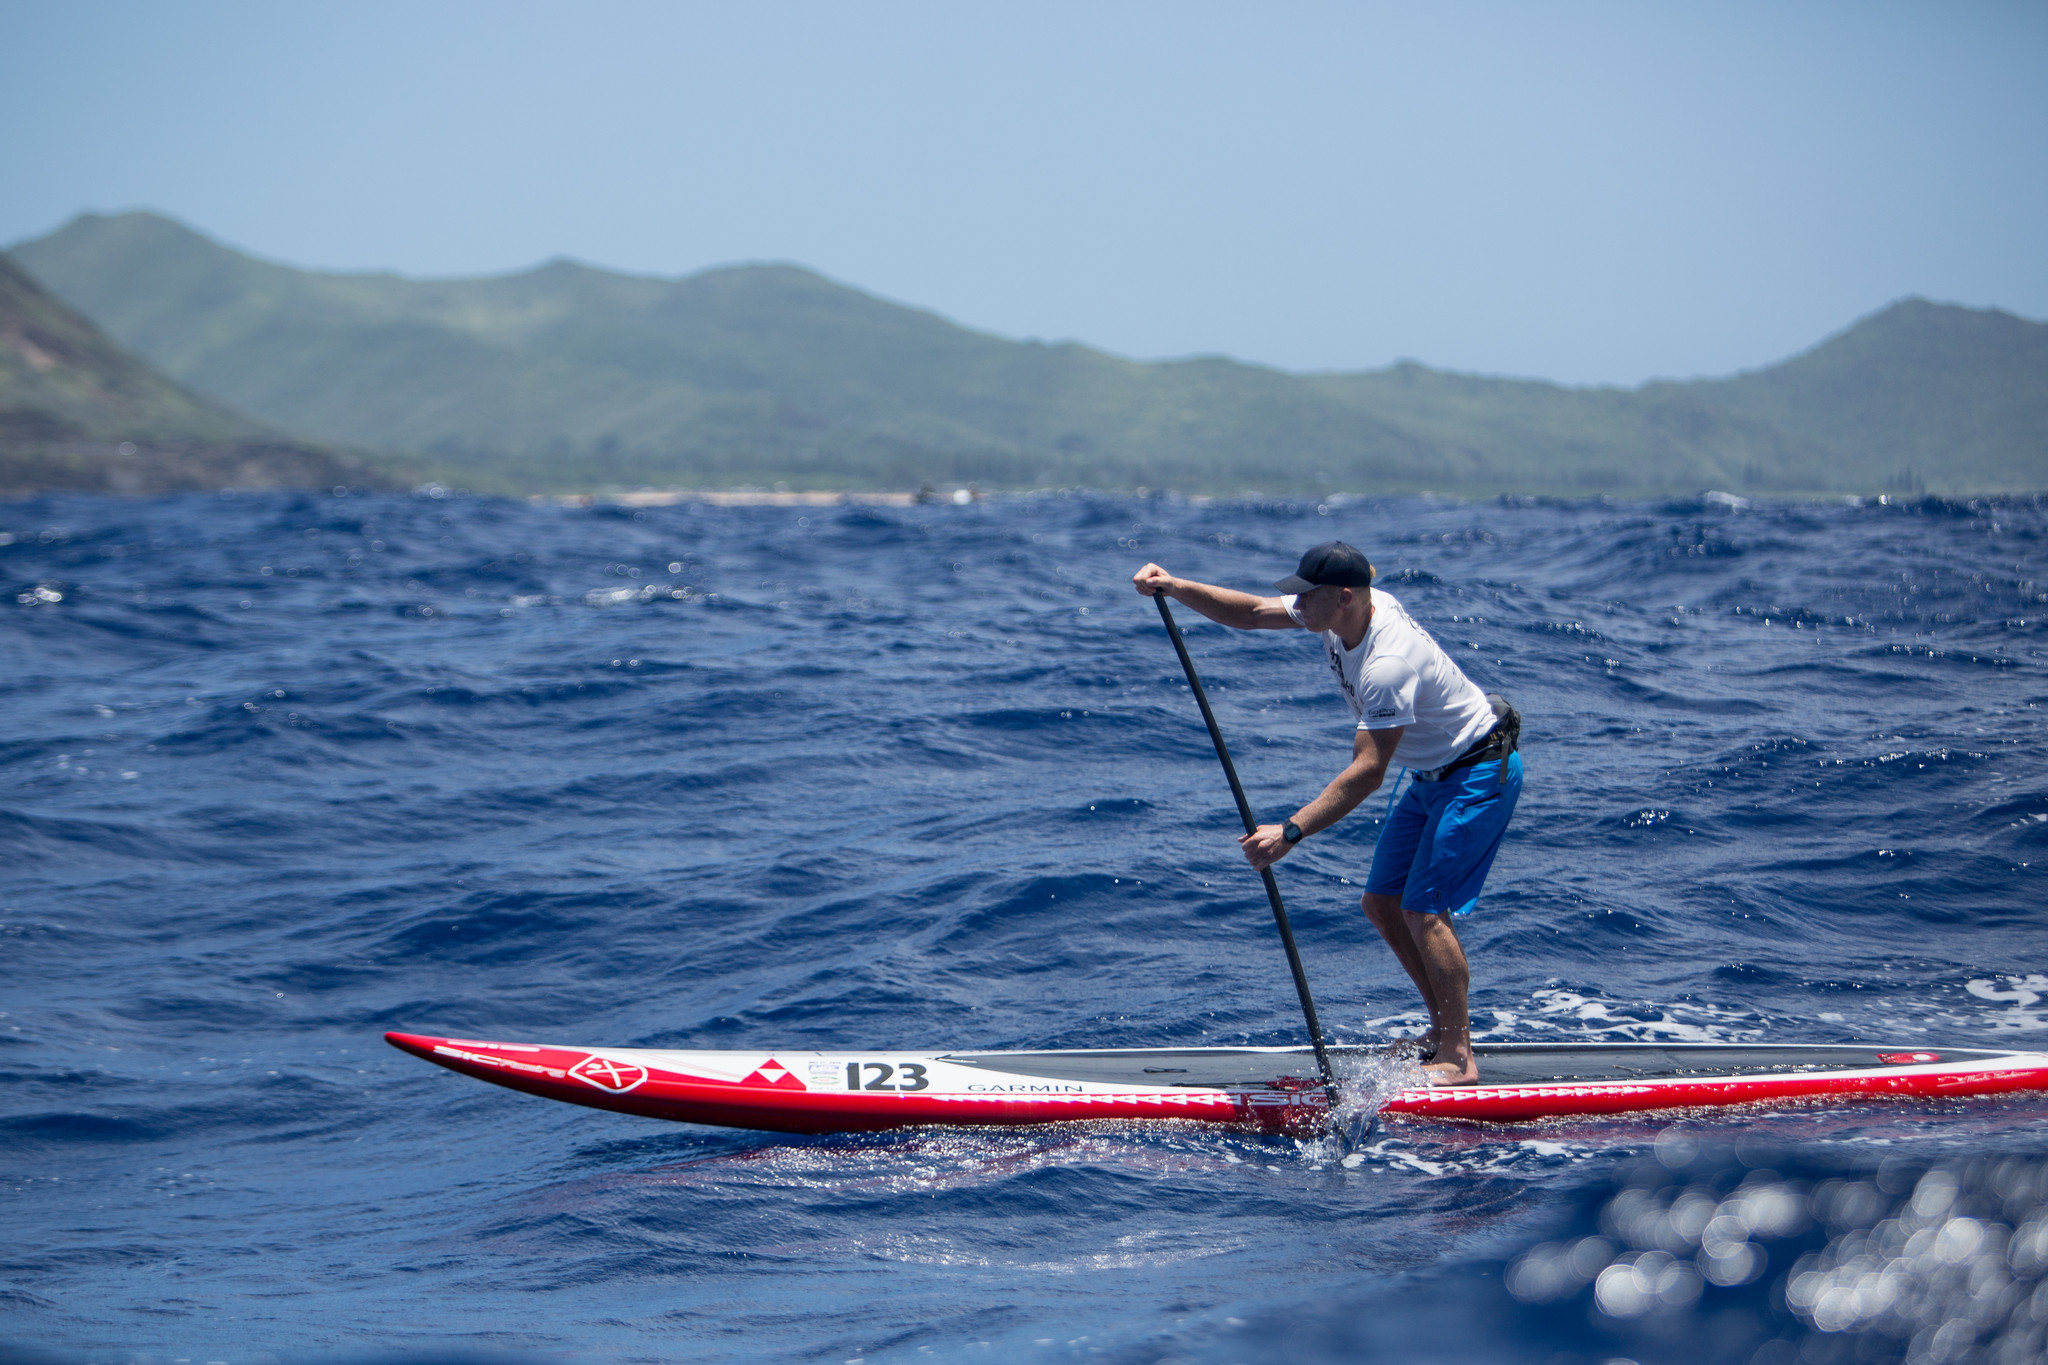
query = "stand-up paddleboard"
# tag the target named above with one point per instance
(1276, 1089)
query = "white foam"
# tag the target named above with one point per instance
(2022, 993)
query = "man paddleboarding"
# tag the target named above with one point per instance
(1413, 707)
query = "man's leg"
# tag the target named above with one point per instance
(1457, 851)
(1442, 958)
(1390, 919)
(1393, 858)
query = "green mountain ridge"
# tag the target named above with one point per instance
(570, 376)
(77, 413)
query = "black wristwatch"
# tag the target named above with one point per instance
(1291, 832)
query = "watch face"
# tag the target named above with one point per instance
(1291, 832)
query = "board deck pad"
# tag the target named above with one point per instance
(1276, 1089)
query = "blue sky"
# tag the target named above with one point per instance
(1587, 193)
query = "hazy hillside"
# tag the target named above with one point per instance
(1958, 396)
(570, 376)
(1955, 399)
(78, 413)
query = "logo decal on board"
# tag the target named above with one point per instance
(617, 1077)
(774, 1073)
(1903, 1058)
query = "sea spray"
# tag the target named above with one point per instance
(1366, 1080)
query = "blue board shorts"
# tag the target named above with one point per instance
(1439, 843)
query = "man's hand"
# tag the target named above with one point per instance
(1264, 846)
(1225, 606)
(1153, 580)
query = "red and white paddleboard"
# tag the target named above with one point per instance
(796, 1091)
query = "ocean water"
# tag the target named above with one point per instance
(283, 771)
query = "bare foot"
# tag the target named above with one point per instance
(1450, 1073)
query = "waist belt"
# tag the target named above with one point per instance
(1496, 743)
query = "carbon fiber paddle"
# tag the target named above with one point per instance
(1244, 810)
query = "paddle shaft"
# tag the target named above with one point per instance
(1244, 810)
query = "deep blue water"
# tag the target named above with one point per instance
(283, 771)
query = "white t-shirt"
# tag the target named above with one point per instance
(1398, 675)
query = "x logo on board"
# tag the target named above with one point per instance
(617, 1077)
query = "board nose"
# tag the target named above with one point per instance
(419, 1045)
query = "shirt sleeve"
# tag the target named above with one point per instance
(1291, 604)
(1386, 693)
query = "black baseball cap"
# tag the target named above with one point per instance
(1331, 564)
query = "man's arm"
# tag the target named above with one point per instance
(1225, 606)
(1371, 751)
